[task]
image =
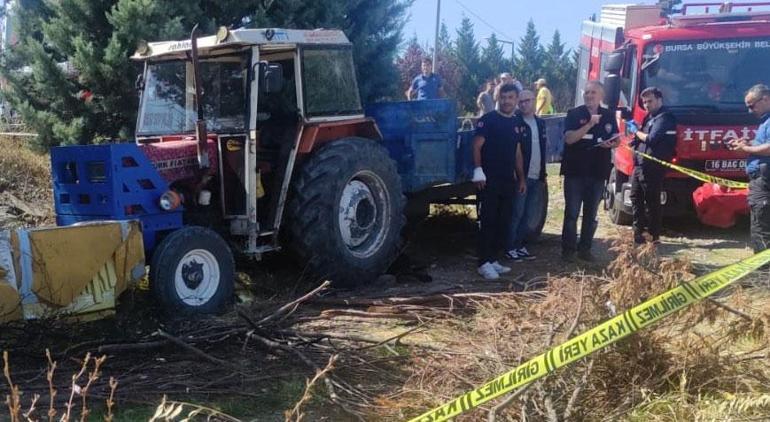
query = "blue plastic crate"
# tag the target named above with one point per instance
(110, 182)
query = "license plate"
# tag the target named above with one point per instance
(726, 165)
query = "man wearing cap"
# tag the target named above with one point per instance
(658, 139)
(758, 166)
(544, 98)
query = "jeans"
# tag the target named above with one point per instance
(645, 197)
(759, 202)
(586, 192)
(524, 207)
(496, 210)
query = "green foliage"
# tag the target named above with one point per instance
(70, 47)
(560, 70)
(466, 52)
(373, 26)
(529, 63)
(467, 66)
(493, 58)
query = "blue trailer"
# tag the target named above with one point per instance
(433, 151)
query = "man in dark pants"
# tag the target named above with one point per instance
(590, 133)
(533, 147)
(498, 174)
(658, 139)
(758, 166)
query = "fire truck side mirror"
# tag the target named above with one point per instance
(615, 62)
(612, 90)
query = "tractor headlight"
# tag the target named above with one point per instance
(170, 201)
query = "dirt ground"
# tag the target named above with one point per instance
(446, 243)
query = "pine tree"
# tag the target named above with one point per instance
(529, 61)
(558, 70)
(492, 58)
(466, 52)
(444, 40)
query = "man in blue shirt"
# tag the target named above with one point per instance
(758, 166)
(427, 85)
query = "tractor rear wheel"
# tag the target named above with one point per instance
(347, 211)
(192, 272)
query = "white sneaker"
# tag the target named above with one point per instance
(524, 254)
(487, 270)
(513, 254)
(501, 269)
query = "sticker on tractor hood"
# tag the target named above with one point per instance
(176, 163)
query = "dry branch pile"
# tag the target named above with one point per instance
(714, 349)
(26, 196)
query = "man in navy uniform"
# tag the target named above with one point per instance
(499, 174)
(658, 139)
(590, 131)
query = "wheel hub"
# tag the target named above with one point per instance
(197, 277)
(192, 274)
(363, 209)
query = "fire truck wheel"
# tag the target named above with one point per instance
(613, 199)
(537, 219)
(192, 272)
(347, 211)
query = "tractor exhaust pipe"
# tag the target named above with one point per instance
(200, 123)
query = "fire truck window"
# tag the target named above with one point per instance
(628, 86)
(711, 75)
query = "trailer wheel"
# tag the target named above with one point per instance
(537, 219)
(347, 211)
(192, 272)
(613, 199)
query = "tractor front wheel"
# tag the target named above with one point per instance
(192, 272)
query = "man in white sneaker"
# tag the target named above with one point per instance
(526, 204)
(499, 174)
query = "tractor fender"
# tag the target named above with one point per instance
(315, 135)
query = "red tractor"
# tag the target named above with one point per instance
(246, 141)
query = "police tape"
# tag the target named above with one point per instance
(703, 177)
(599, 337)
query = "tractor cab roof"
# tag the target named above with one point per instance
(268, 39)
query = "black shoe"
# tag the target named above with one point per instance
(586, 256)
(568, 256)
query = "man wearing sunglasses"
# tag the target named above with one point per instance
(757, 167)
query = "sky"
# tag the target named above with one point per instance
(506, 18)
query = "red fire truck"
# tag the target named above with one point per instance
(703, 59)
